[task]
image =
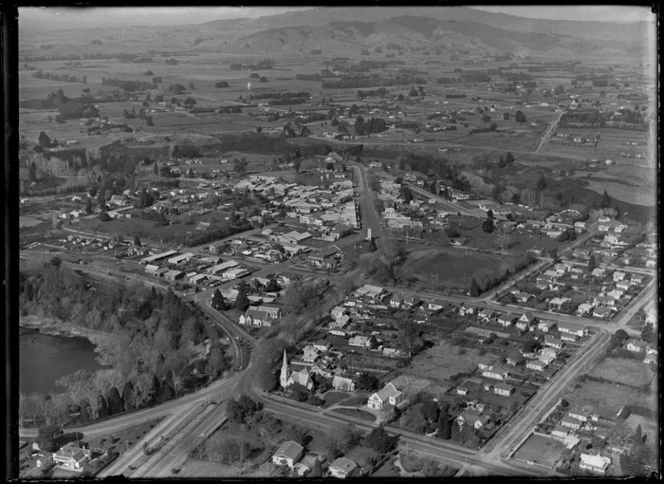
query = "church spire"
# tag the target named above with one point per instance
(285, 373)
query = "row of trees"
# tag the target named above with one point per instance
(128, 85)
(60, 77)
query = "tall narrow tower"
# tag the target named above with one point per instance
(283, 378)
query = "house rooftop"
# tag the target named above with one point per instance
(289, 450)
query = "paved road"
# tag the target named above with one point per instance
(549, 132)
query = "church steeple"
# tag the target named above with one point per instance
(285, 372)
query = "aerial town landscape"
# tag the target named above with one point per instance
(337, 242)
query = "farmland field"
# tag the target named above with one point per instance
(542, 450)
(625, 371)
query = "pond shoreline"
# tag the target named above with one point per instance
(61, 328)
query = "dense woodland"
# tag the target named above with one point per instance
(150, 348)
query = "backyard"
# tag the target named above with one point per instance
(445, 359)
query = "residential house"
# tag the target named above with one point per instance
(465, 310)
(558, 302)
(506, 320)
(288, 454)
(572, 328)
(343, 467)
(584, 309)
(651, 359)
(570, 423)
(635, 345)
(548, 354)
(596, 464)
(343, 384)
(71, 457)
(522, 297)
(497, 373)
(360, 341)
(528, 318)
(537, 365)
(618, 276)
(260, 316)
(389, 395)
(474, 418)
(503, 389)
(569, 337)
(463, 389)
(310, 354)
(583, 414)
(560, 432)
(486, 315)
(435, 305)
(603, 312)
(546, 326)
(554, 342)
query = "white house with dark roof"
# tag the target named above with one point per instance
(343, 467)
(288, 454)
(343, 383)
(71, 457)
(389, 395)
(595, 463)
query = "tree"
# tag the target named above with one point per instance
(605, 201)
(430, 410)
(648, 334)
(149, 121)
(558, 90)
(32, 173)
(516, 198)
(367, 382)
(592, 263)
(297, 163)
(519, 117)
(487, 225)
(380, 441)
(46, 436)
(242, 300)
(240, 166)
(489, 214)
(242, 409)
(542, 182)
(509, 158)
(43, 140)
(218, 301)
(474, 288)
(444, 427)
(115, 403)
(216, 360)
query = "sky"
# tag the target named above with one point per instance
(124, 16)
(606, 13)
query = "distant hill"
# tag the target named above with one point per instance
(334, 30)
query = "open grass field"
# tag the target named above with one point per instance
(609, 398)
(445, 359)
(625, 371)
(542, 450)
(454, 268)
